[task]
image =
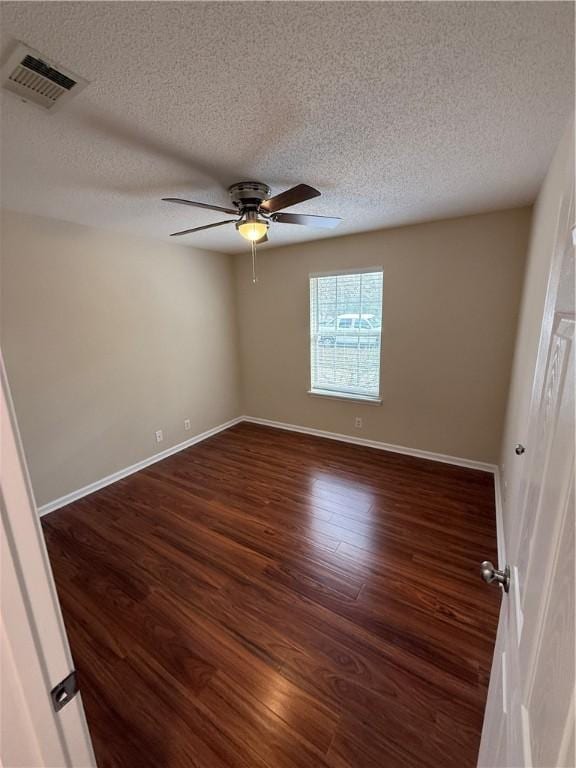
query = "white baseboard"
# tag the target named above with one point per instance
(468, 463)
(96, 486)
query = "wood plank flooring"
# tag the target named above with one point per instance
(266, 599)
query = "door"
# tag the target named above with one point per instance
(35, 655)
(530, 711)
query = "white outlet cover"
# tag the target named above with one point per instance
(186, 423)
(159, 436)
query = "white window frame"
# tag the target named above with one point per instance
(335, 394)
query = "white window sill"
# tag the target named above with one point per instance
(344, 396)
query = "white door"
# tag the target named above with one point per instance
(35, 655)
(530, 711)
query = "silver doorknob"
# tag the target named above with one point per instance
(492, 575)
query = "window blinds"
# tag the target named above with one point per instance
(345, 332)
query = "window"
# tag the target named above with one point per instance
(345, 331)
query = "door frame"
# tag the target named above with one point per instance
(35, 651)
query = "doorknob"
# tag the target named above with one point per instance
(492, 575)
(519, 449)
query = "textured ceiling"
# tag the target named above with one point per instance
(397, 112)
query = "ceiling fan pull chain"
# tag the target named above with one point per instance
(254, 275)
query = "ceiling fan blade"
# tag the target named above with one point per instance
(297, 194)
(198, 205)
(206, 226)
(320, 222)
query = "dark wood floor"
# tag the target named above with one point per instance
(268, 599)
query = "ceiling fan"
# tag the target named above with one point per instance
(256, 210)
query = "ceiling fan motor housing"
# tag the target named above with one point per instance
(248, 194)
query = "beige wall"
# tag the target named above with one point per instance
(542, 241)
(106, 339)
(451, 297)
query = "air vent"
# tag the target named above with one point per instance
(34, 78)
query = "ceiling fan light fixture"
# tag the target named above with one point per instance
(253, 229)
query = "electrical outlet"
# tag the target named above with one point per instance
(358, 422)
(159, 436)
(186, 424)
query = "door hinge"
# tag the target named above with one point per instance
(65, 691)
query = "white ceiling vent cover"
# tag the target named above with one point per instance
(38, 80)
